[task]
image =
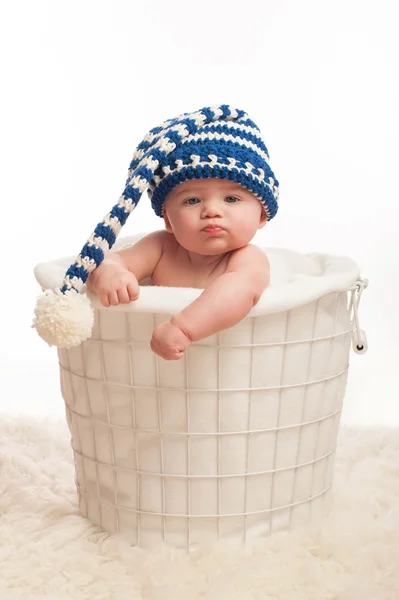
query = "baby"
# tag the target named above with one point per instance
(209, 224)
(208, 176)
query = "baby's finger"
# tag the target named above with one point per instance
(123, 296)
(104, 300)
(133, 291)
(113, 298)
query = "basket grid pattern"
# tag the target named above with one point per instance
(139, 448)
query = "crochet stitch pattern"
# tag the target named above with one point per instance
(186, 147)
(219, 142)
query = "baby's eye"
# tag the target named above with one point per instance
(188, 201)
(231, 199)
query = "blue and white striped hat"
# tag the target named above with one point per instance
(218, 141)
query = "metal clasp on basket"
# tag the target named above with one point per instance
(359, 338)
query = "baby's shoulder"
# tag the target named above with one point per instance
(253, 263)
(159, 238)
(247, 256)
(146, 239)
(168, 239)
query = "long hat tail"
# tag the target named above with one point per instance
(64, 317)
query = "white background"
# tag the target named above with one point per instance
(82, 83)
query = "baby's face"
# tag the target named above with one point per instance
(195, 204)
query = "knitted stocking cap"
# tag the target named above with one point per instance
(219, 141)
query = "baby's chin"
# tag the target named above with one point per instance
(213, 244)
(214, 248)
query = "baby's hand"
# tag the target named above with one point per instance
(169, 342)
(114, 285)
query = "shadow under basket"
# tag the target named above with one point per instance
(236, 440)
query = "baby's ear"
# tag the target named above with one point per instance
(263, 218)
(168, 226)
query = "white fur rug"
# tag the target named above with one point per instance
(47, 551)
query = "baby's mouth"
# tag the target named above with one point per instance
(212, 228)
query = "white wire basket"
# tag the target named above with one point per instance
(233, 442)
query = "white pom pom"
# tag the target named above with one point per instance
(63, 320)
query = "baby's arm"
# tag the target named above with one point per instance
(116, 280)
(229, 298)
(221, 305)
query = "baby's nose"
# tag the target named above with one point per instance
(212, 207)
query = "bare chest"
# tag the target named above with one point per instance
(173, 271)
